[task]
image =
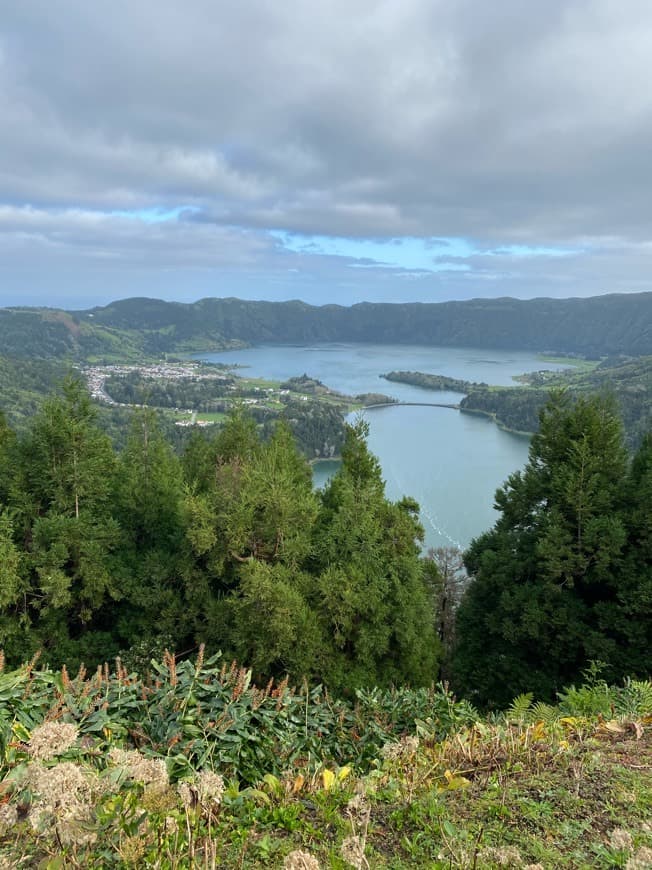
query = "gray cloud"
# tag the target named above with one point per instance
(504, 123)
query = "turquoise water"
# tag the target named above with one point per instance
(450, 462)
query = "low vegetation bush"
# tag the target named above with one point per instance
(207, 713)
(195, 766)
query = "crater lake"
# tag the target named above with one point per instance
(450, 462)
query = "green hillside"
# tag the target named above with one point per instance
(138, 327)
(23, 385)
(599, 325)
(45, 333)
(628, 380)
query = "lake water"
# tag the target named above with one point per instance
(450, 462)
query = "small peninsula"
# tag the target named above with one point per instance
(433, 382)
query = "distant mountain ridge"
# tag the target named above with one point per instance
(598, 326)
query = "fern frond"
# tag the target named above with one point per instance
(634, 699)
(520, 708)
(545, 713)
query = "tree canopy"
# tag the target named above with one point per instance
(229, 545)
(555, 579)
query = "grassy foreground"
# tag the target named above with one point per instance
(197, 767)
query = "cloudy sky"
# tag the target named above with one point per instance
(333, 152)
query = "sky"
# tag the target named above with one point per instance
(394, 150)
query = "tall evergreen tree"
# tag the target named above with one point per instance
(250, 504)
(273, 627)
(631, 621)
(372, 596)
(62, 501)
(548, 575)
(13, 587)
(7, 459)
(148, 497)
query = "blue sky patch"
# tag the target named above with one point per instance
(414, 254)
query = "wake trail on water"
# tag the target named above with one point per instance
(432, 522)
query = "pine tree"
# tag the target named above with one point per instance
(148, 498)
(13, 587)
(272, 625)
(372, 597)
(7, 459)
(62, 501)
(251, 504)
(273, 515)
(548, 573)
(631, 621)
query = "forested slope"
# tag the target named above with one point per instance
(629, 381)
(48, 333)
(597, 326)
(231, 545)
(23, 385)
(227, 545)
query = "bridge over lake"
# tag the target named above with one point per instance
(414, 404)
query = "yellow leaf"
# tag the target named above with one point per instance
(454, 781)
(343, 773)
(570, 721)
(20, 732)
(538, 731)
(298, 784)
(328, 778)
